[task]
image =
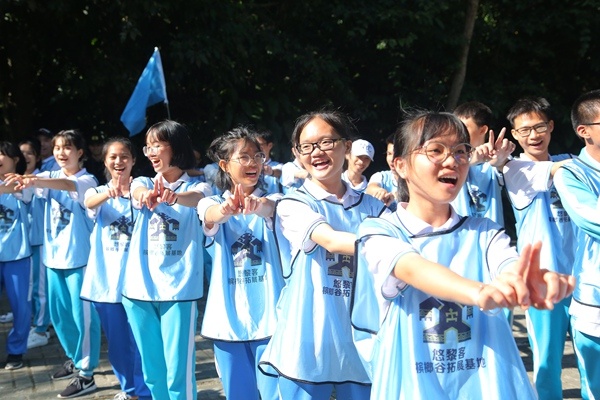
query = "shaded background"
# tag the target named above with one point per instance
(74, 63)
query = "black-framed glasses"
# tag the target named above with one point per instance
(525, 131)
(591, 123)
(245, 159)
(437, 152)
(323, 145)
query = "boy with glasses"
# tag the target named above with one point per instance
(540, 215)
(578, 184)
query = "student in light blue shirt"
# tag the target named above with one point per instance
(164, 274)
(540, 215)
(110, 207)
(15, 253)
(65, 254)
(578, 184)
(240, 313)
(312, 351)
(426, 277)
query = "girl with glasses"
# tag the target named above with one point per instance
(164, 274)
(428, 277)
(312, 351)
(246, 274)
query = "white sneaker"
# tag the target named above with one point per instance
(8, 317)
(37, 340)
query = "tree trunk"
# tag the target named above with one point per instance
(459, 77)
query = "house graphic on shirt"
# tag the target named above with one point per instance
(162, 224)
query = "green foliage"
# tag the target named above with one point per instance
(70, 63)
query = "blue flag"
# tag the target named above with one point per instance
(150, 89)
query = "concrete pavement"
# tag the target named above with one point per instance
(34, 382)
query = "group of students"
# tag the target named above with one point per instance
(323, 288)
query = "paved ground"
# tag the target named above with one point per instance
(33, 381)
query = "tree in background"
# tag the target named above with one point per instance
(74, 63)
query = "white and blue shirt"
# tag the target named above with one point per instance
(578, 184)
(481, 195)
(246, 277)
(67, 227)
(14, 226)
(110, 241)
(425, 347)
(313, 339)
(166, 261)
(539, 212)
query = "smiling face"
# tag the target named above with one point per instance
(160, 154)
(535, 145)
(67, 155)
(432, 186)
(324, 166)
(246, 175)
(30, 157)
(358, 164)
(118, 161)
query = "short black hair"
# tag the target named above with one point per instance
(177, 136)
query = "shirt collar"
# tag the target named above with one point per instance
(417, 226)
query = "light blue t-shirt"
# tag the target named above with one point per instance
(67, 227)
(313, 339)
(110, 241)
(246, 277)
(14, 228)
(481, 195)
(578, 184)
(166, 261)
(425, 347)
(539, 212)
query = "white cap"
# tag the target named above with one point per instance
(361, 147)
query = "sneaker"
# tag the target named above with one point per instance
(14, 361)
(123, 396)
(36, 339)
(5, 318)
(78, 386)
(65, 372)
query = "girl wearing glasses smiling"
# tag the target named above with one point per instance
(246, 275)
(312, 349)
(164, 273)
(430, 274)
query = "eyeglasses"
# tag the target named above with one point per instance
(591, 123)
(437, 153)
(153, 150)
(244, 160)
(323, 145)
(526, 130)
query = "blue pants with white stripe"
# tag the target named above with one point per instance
(587, 350)
(165, 334)
(75, 321)
(123, 353)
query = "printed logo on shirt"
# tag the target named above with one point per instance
(162, 225)
(340, 266)
(478, 200)
(7, 218)
(559, 214)
(121, 229)
(447, 318)
(61, 216)
(247, 247)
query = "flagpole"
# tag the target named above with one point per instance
(168, 111)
